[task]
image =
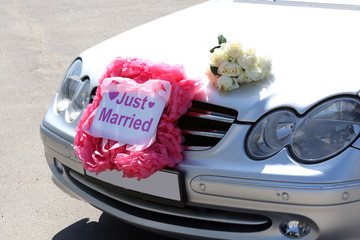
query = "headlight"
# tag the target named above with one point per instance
(79, 101)
(322, 133)
(327, 130)
(271, 134)
(73, 93)
(69, 86)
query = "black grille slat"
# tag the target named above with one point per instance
(204, 125)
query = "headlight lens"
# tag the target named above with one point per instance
(271, 134)
(327, 130)
(322, 133)
(69, 86)
(73, 93)
(79, 101)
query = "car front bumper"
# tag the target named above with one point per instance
(214, 206)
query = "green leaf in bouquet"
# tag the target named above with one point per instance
(213, 49)
(221, 39)
(214, 70)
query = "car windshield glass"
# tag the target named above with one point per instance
(345, 2)
(354, 3)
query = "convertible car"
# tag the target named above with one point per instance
(277, 158)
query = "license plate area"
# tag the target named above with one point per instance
(163, 186)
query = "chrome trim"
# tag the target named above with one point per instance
(278, 192)
(197, 148)
(213, 134)
(211, 116)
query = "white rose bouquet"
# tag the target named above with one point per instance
(232, 65)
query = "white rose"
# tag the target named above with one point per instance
(242, 78)
(233, 49)
(229, 69)
(226, 83)
(265, 64)
(218, 57)
(248, 59)
(255, 73)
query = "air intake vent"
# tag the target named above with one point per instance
(204, 125)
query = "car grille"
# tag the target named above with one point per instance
(204, 125)
(186, 216)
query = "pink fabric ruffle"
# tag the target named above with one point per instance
(99, 154)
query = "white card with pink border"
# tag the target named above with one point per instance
(130, 112)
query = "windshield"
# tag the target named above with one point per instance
(342, 2)
(337, 4)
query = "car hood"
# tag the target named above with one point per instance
(315, 51)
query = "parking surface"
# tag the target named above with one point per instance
(38, 40)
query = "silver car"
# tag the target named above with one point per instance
(272, 159)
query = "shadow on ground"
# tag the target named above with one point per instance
(107, 228)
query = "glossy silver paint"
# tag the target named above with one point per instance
(315, 50)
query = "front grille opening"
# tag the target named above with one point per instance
(210, 225)
(93, 95)
(204, 125)
(190, 217)
(251, 222)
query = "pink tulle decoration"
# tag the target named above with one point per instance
(99, 154)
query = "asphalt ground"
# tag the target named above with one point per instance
(38, 41)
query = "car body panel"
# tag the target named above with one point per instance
(278, 31)
(315, 57)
